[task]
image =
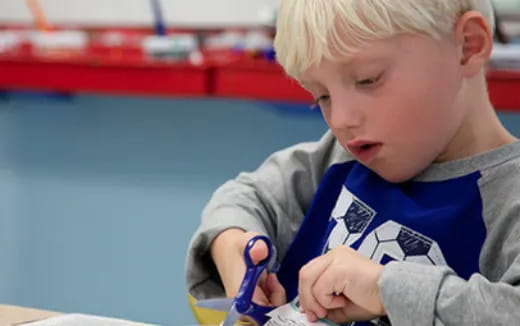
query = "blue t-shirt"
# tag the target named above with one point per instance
(434, 222)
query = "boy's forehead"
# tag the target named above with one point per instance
(376, 55)
(364, 57)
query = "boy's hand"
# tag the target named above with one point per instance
(227, 251)
(341, 284)
(349, 313)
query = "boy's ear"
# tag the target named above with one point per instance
(475, 40)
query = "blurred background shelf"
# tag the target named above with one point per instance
(252, 79)
(504, 89)
(257, 79)
(128, 70)
(108, 77)
(101, 191)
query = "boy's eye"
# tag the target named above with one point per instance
(320, 101)
(368, 81)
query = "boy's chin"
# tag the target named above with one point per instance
(397, 175)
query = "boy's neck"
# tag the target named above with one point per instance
(481, 130)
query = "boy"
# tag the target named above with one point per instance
(407, 211)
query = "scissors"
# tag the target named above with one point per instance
(242, 304)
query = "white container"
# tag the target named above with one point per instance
(174, 46)
(9, 40)
(59, 40)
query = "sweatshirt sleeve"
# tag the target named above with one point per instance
(434, 295)
(416, 294)
(271, 200)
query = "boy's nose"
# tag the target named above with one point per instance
(345, 115)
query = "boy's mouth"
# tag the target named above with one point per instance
(364, 151)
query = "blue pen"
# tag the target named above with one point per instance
(160, 28)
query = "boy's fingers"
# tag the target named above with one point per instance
(277, 296)
(261, 289)
(307, 278)
(266, 288)
(324, 292)
(350, 312)
(259, 297)
(311, 316)
(334, 302)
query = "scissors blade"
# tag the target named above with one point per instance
(220, 304)
(232, 317)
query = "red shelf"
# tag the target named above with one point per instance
(84, 75)
(504, 89)
(254, 79)
(127, 70)
(257, 79)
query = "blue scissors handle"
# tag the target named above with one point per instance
(259, 313)
(243, 301)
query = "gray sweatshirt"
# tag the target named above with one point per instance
(449, 238)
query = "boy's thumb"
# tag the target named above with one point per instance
(259, 251)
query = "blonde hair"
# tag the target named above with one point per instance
(310, 30)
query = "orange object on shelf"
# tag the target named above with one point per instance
(39, 17)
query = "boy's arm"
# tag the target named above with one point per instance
(425, 295)
(416, 294)
(271, 200)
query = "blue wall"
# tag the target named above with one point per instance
(99, 196)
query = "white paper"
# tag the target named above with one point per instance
(289, 315)
(83, 320)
